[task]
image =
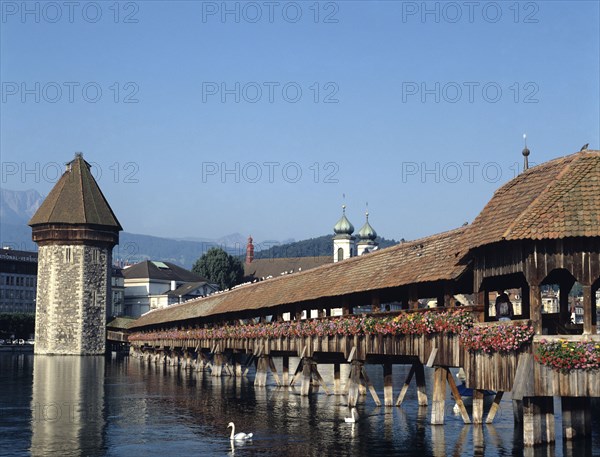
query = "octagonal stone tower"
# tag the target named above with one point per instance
(75, 230)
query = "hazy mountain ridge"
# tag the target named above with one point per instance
(17, 207)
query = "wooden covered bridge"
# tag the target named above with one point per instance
(541, 228)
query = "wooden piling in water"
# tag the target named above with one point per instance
(388, 390)
(336, 379)
(306, 377)
(438, 404)
(576, 417)
(354, 382)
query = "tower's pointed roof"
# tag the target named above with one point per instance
(76, 199)
(367, 232)
(343, 226)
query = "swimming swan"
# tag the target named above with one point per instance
(238, 436)
(353, 417)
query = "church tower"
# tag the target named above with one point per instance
(343, 241)
(366, 236)
(75, 230)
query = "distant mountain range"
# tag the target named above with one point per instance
(17, 207)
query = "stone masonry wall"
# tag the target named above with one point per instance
(73, 289)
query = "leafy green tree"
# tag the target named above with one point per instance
(220, 268)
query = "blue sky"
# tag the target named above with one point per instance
(259, 119)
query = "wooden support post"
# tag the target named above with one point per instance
(421, 390)
(317, 376)
(238, 366)
(405, 386)
(413, 297)
(370, 386)
(532, 423)
(299, 368)
(494, 408)
(217, 365)
(588, 311)
(261, 372)
(353, 383)
(535, 308)
(576, 417)
(565, 313)
(517, 412)
(482, 298)
(286, 370)
(306, 377)
(548, 411)
(438, 404)
(336, 379)
(375, 304)
(388, 390)
(274, 371)
(477, 406)
(449, 300)
(458, 399)
(346, 308)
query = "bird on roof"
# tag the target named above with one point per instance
(584, 147)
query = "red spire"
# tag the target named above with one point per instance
(249, 251)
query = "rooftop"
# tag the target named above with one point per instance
(76, 199)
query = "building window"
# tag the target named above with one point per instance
(340, 254)
(68, 255)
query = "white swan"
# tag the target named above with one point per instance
(239, 436)
(354, 416)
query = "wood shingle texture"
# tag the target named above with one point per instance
(76, 199)
(429, 259)
(557, 199)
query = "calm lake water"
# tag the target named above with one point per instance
(95, 406)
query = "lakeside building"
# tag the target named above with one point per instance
(18, 280)
(151, 285)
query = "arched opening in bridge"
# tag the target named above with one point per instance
(516, 288)
(559, 297)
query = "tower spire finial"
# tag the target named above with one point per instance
(525, 153)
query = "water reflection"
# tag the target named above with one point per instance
(67, 406)
(71, 406)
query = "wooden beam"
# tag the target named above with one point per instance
(421, 388)
(316, 375)
(535, 308)
(522, 384)
(431, 359)
(494, 408)
(274, 371)
(457, 398)
(588, 309)
(405, 386)
(370, 386)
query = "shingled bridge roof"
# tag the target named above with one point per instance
(556, 199)
(428, 259)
